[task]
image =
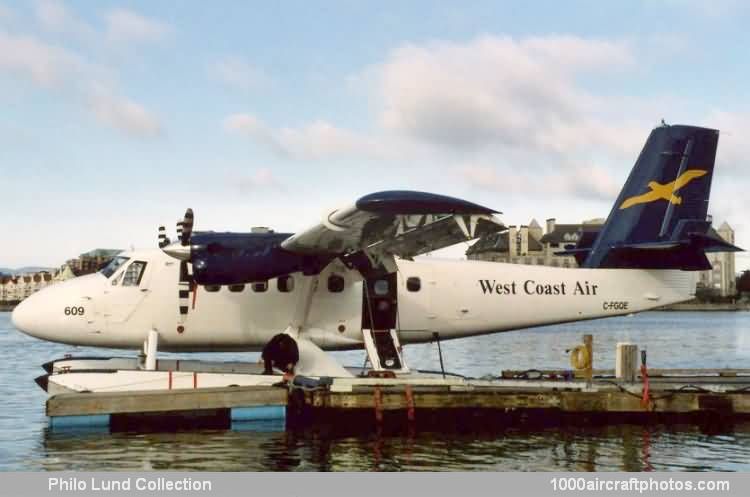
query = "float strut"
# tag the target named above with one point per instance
(150, 347)
(436, 336)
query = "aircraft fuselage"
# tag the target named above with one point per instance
(452, 298)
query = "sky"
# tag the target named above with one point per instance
(116, 116)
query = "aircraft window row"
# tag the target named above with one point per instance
(413, 284)
(113, 266)
(134, 273)
(285, 284)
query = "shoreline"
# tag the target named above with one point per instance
(707, 307)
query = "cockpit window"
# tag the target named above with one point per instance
(113, 266)
(134, 273)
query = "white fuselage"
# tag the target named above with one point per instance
(454, 299)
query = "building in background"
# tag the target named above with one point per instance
(16, 287)
(8, 288)
(92, 261)
(721, 279)
(530, 244)
(64, 273)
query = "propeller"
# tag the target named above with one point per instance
(181, 250)
(163, 239)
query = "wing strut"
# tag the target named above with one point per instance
(307, 289)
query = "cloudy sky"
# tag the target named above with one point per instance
(114, 117)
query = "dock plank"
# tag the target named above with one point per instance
(606, 398)
(164, 401)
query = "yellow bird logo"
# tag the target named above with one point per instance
(666, 191)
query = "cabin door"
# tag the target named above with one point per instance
(380, 323)
(380, 303)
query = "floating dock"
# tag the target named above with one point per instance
(167, 410)
(115, 393)
(711, 398)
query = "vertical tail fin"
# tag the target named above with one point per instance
(659, 220)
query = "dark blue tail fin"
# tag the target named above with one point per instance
(660, 218)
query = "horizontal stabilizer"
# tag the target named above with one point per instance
(587, 237)
(574, 251)
(715, 244)
(702, 242)
(688, 252)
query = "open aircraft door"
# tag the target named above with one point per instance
(380, 323)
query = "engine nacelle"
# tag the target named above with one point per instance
(238, 258)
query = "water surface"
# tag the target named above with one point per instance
(673, 340)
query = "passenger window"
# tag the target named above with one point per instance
(213, 288)
(336, 283)
(236, 288)
(260, 286)
(381, 287)
(413, 284)
(134, 273)
(285, 284)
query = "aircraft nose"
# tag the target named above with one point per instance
(21, 316)
(26, 317)
(59, 312)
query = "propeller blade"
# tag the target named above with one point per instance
(187, 227)
(163, 240)
(183, 290)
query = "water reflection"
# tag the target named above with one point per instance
(616, 448)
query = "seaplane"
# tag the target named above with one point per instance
(356, 280)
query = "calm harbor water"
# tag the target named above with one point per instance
(673, 340)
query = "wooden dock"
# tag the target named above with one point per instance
(705, 400)
(363, 403)
(167, 410)
(714, 398)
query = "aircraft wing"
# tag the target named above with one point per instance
(400, 223)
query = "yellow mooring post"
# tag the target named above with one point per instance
(581, 358)
(588, 342)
